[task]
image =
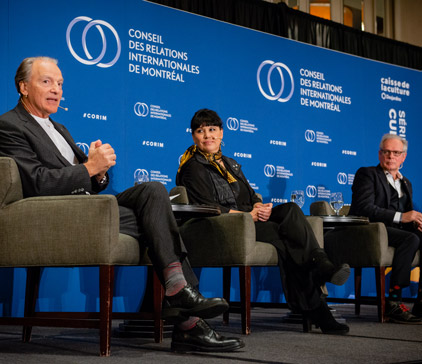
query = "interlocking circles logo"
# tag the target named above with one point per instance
(311, 191)
(269, 170)
(140, 176)
(84, 147)
(141, 109)
(232, 124)
(342, 178)
(98, 45)
(310, 136)
(275, 85)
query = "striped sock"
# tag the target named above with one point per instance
(174, 278)
(395, 293)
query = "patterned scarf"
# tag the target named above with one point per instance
(210, 157)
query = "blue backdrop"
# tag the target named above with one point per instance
(296, 116)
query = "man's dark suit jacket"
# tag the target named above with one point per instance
(43, 170)
(372, 194)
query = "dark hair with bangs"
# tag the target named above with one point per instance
(205, 117)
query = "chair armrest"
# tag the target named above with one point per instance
(359, 246)
(319, 208)
(10, 182)
(317, 225)
(59, 230)
(181, 195)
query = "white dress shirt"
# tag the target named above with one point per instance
(396, 183)
(60, 142)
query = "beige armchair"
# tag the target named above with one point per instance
(67, 231)
(361, 246)
(229, 241)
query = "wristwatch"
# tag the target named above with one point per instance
(103, 180)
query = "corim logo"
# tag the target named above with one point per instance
(311, 191)
(342, 178)
(269, 170)
(84, 147)
(310, 135)
(232, 124)
(89, 60)
(284, 85)
(141, 109)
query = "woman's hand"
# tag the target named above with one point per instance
(254, 214)
(261, 212)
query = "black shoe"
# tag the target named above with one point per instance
(189, 302)
(399, 313)
(325, 271)
(340, 275)
(323, 319)
(203, 338)
(417, 309)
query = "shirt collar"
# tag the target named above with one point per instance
(389, 174)
(45, 121)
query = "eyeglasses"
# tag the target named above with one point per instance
(396, 153)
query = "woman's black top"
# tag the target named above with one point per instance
(206, 186)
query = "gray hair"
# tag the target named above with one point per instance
(385, 137)
(23, 73)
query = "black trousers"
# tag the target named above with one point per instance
(293, 237)
(406, 241)
(146, 214)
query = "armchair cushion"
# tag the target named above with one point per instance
(230, 242)
(359, 246)
(64, 231)
(60, 230)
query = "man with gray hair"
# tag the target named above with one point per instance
(384, 195)
(50, 163)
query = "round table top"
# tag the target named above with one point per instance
(195, 210)
(334, 220)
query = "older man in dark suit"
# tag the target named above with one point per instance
(383, 194)
(50, 163)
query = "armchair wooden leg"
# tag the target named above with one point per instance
(245, 298)
(307, 324)
(158, 296)
(358, 289)
(106, 307)
(380, 282)
(33, 276)
(227, 278)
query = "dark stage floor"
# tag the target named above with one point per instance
(271, 341)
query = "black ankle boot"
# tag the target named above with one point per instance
(325, 271)
(323, 319)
